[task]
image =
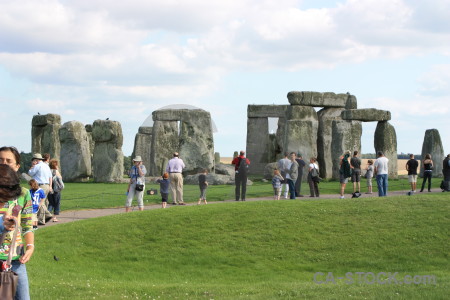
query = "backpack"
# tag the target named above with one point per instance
(243, 166)
(57, 184)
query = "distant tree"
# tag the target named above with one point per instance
(25, 162)
(127, 163)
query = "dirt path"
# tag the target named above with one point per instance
(75, 215)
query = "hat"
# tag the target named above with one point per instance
(37, 156)
(137, 158)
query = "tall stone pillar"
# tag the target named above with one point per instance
(143, 145)
(386, 141)
(257, 144)
(75, 152)
(45, 134)
(301, 132)
(108, 155)
(164, 143)
(432, 144)
(346, 135)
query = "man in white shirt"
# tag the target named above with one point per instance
(175, 168)
(381, 169)
(41, 172)
(283, 166)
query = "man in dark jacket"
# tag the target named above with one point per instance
(446, 172)
(241, 169)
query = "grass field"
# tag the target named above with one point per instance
(102, 195)
(251, 250)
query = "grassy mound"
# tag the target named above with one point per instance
(251, 250)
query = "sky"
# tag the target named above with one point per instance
(96, 59)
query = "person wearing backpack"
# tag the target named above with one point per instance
(241, 164)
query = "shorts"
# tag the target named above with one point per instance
(34, 217)
(203, 194)
(164, 197)
(343, 179)
(356, 175)
(412, 178)
(277, 191)
(369, 181)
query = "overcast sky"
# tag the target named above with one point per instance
(98, 59)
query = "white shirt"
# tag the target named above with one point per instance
(381, 165)
(175, 165)
(41, 173)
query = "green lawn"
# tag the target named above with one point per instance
(102, 195)
(250, 250)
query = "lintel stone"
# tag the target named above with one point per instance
(317, 99)
(366, 115)
(266, 111)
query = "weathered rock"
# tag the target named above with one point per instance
(143, 145)
(196, 141)
(223, 169)
(366, 115)
(164, 143)
(213, 179)
(346, 135)
(45, 135)
(268, 170)
(216, 158)
(88, 128)
(317, 99)
(324, 138)
(386, 141)
(108, 156)
(75, 152)
(258, 144)
(266, 111)
(432, 144)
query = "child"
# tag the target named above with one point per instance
(276, 183)
(369, 176)
(203, 184)
(37, 197)
(164, 188)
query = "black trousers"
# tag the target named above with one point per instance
(426, 176)
(241, 186)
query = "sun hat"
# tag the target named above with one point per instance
(37, 156)
(137, 158)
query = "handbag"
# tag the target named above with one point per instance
(139, 187)
(315, 175)
(8, 278)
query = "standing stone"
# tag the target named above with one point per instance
(88, 128)
(346, 135)
(196, 141)
(164, 143)
(432, 144)
(108, 155)
(75, 152)
(301, 132)
(45, 135)
(143, 145)
(324, 138)
(386, 141)
(216, 159)
(257, 144)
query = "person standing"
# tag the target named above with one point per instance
(276, 184)
(283, 165)
(381, 169)
(427, 172)
(54, 198)
(10, 198)
(241, 164)
(41, 172)
(355, 164)
(164, 183)
(446, 172)
(369, 176)
(298, 183)
(411, 166)
(203, 185)
(344, 171)
(292, 175)
(313, 184)
(175, 168)
(136, 186)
